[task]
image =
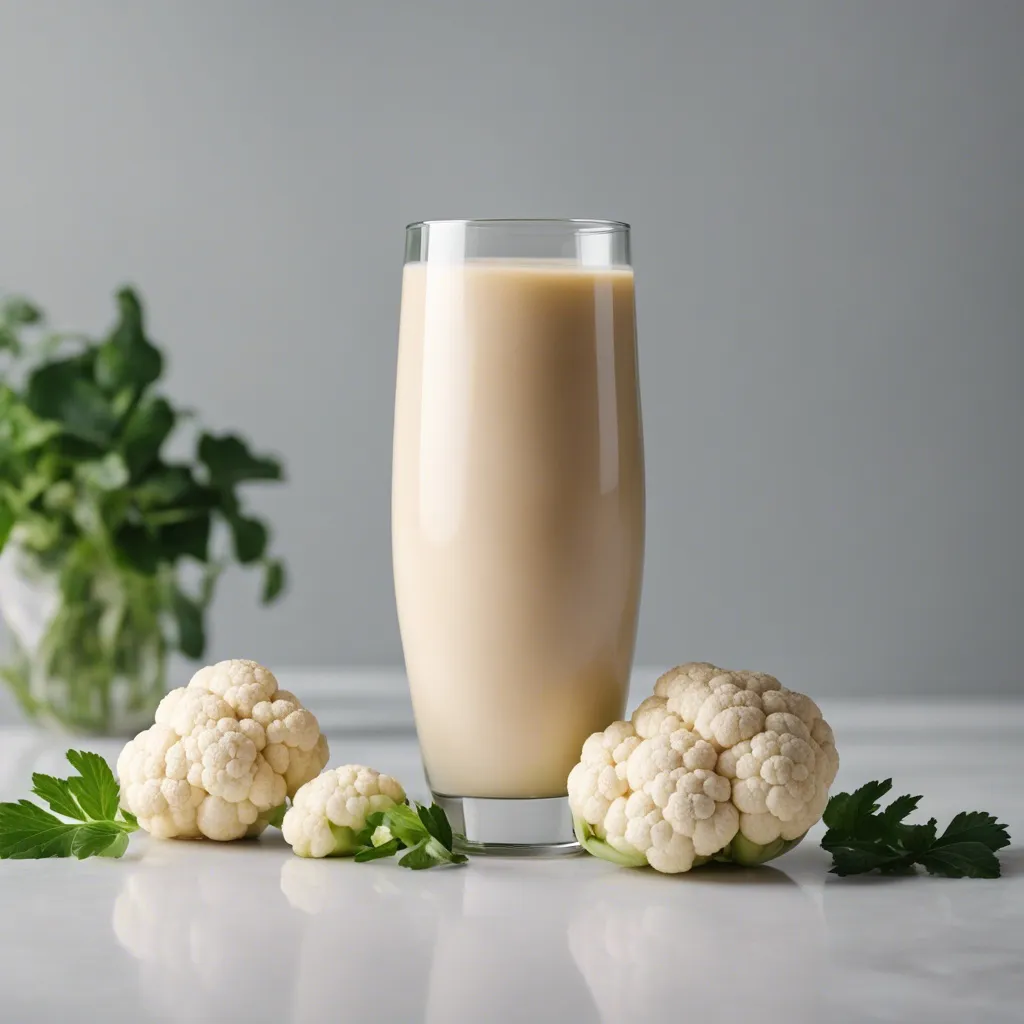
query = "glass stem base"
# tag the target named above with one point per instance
(501, 827)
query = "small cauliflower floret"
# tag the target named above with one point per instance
(699, 809)
(729, 714)
(715, 764)
(600, 776)
(757, 682)
(295, 747)
(687, 687)
(828, 763)
(699, 672)
(243, 684)
(640, 835)
(773, 775)
(653, 717)
(208, 766)
(655, 758)
(328, 812)
(305, 764)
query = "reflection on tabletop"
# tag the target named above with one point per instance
(376, 942)
(723, 938)
(196, 931)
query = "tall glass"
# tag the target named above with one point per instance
(517, 511)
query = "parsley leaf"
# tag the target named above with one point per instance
(99, 827)
(423, 832)
(861, 838)
(96, 790)
(57, 793)
(388, 849)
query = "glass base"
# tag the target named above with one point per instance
(501, 827)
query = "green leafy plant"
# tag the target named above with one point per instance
(862, 838)
(90, 504)
(423, 832)
(98, 826)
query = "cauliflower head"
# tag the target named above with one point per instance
(715, 765)
(223, 753)
(328, 812)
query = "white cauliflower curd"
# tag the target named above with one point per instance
(715, 765)
(224, 752)
(328, 812)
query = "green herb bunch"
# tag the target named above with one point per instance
(862, 838)
(89, 501)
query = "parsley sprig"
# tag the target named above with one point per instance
(424, 833)
(99, 827)
(862, 838)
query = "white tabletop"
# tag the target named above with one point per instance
(189, 931)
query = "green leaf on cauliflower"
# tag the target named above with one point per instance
(425, 854)
(423, 832)
(276, 817)
(436, 822)
(388, 849)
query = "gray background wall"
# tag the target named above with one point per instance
(828, 204)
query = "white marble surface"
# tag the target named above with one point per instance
(248, 932)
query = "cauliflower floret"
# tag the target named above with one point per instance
(700, 672)
(329, 811)
(687, 687)
(728, 714)
(655, 758)
(699, 809)
(600, 776)
(304, 765)
(715, 764)
(653, 717)
(665, 849)
(243, 684)
(209, 765)
(773, 775)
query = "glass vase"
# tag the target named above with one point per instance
(84, 652)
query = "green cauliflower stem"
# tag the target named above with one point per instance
(740, 851)
(599, 848)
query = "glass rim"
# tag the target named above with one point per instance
(585, 225)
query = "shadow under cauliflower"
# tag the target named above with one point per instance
(715, 765)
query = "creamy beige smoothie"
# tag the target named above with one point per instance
(517, 515)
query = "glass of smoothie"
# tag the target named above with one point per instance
(517, 512)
